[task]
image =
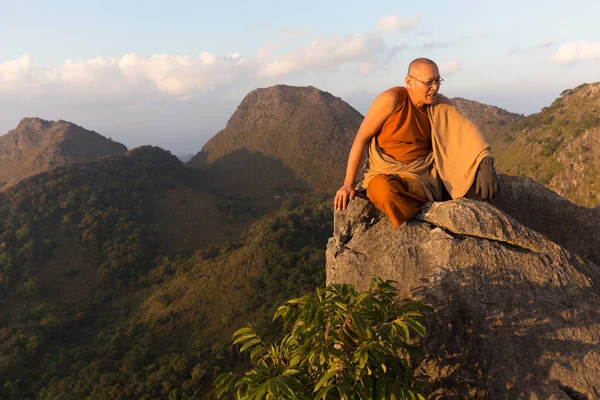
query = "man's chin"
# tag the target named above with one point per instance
(430, 99)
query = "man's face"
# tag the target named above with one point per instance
(420, 84)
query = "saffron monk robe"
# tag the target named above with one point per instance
(419, 149)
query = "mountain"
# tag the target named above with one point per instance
(93, 304)
(280, 141)
(491, 120)
(36, 145)
(558, 147)
(185, 157)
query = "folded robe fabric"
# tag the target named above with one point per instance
(457, 149)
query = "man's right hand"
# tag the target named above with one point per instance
(343, 197)
(487, 185)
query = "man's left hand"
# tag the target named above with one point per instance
(487, 182)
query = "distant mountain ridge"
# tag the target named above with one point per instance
(558, 146)
(37, 145)
(491, 120)
(282, 139)
(185, 157)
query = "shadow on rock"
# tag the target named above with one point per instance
(516, 315)
(500, 335)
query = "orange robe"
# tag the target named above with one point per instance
(406, 137)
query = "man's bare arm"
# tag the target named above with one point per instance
(378, 112)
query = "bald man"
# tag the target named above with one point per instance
(404, 169)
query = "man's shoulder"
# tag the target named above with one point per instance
(399, 91)
(393, 96)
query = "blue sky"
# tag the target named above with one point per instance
(171, 73)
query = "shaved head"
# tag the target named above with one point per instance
(417, 63)
(423, 81)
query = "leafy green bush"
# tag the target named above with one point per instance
(340, 344)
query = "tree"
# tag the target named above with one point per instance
(340, 344)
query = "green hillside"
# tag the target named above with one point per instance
(558, 147)
(90, 306)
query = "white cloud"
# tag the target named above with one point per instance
(84, 72)
(577, 51)
(125, 77)
(325, 52)
(133, 78)
(394, 23)
(449, 68)
(185, 75)
(15, 70)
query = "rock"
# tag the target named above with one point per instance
(574, 227)
(515, 314)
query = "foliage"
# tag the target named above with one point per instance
(96, 311)
(550, 146)
(340, 343)
(98, 207)
(292, 254)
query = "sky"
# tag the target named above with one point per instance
(171, 73)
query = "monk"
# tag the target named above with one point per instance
(419, 149)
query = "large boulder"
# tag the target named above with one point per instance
(515, 314)
(574, 227)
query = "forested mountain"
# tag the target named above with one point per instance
(494, 122)
(91, 306)
(36, 145)
(557, 147)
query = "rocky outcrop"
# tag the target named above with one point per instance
(515, 314)
(539, 208)
(36, 145)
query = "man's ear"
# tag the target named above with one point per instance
(408, 81)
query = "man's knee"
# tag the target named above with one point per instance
(386, 187)
(391, 197)
(381, 188)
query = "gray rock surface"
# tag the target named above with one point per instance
(515, 314)
(574, 227)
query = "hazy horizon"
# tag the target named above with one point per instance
(190, 135)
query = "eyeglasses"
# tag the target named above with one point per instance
(429, 84)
